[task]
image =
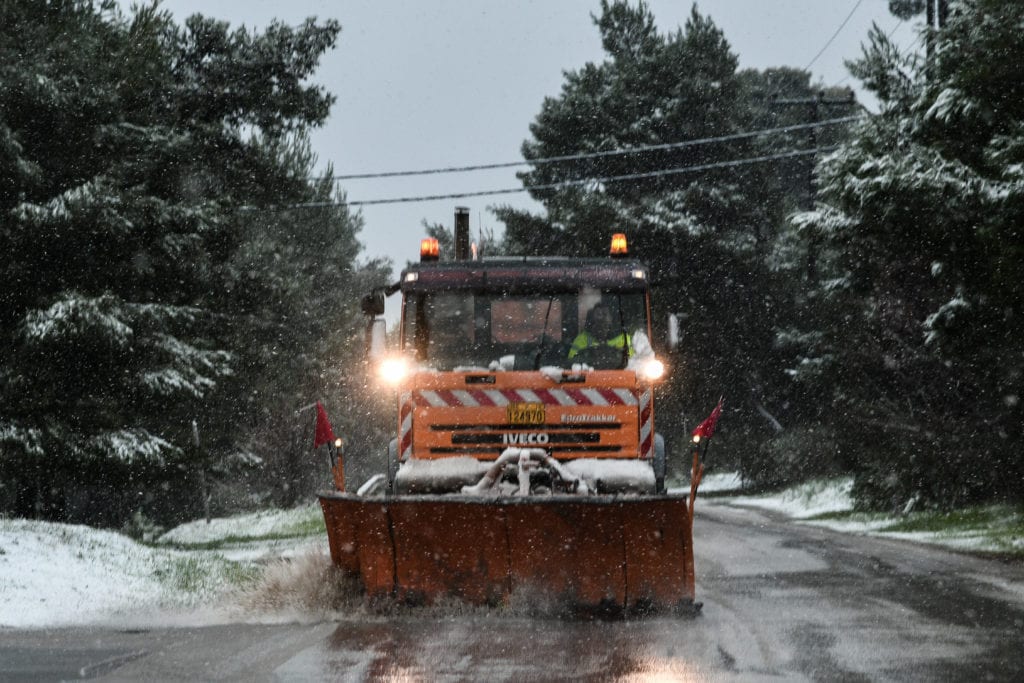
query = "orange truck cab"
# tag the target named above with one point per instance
(497, 353)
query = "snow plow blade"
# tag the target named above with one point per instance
(595, 553)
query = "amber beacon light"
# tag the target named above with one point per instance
(430, 250)
(619, 247)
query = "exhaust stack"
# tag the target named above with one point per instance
(461, 233)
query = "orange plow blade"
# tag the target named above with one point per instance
(599, 553)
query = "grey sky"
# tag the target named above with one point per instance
(452, 83)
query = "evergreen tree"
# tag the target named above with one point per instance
(140, 163)
(920, 262)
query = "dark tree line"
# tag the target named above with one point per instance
(918, 302)
(153, 275)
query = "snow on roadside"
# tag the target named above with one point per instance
(253, 525)
(716, 482)
(264, 551)
(806, 500)
(971, 541)
(257, 536)
(719, 481)
(63, 575)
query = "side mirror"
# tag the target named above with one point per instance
(673, 331)
(376, 338)
(373, 303)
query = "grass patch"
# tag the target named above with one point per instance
(308, 526)
(229, 532)
(959, 521)
(849, 516)
(994, 528)
(989, 529)
(230, 541)
(205, 575)
(189, 574)
(241, 574)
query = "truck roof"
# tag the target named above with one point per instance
(516, 272)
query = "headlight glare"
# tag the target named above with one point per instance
(393, 370)
(652, 370)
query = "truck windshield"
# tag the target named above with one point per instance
(464, 328)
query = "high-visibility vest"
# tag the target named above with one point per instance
(585, 340)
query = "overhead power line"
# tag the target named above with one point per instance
(834, 35)
(555, 186)
(594, 155)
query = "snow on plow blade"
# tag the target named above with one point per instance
(598, 553)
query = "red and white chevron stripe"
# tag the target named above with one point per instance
(646, 425)
(475, 398)
(405, 409)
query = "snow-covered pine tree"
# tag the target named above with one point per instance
(300, 283)
(920, 257)
(128, 147)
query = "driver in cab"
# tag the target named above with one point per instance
(599, 333)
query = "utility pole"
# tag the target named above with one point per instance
(815, 105)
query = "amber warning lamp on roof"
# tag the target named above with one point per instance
(430, 250)
(619, 247)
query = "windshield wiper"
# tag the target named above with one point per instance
(543, 335)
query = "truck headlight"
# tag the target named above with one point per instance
(651, 369)
(393, 370)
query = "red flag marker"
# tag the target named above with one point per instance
(703, 431)
(324, 433)
(706, 428)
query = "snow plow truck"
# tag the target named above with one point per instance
(526, 459)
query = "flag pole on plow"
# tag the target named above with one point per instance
(323, 434)
(703, 432)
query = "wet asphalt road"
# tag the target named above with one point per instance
(782, 601)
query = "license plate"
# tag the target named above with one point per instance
(525, 413)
